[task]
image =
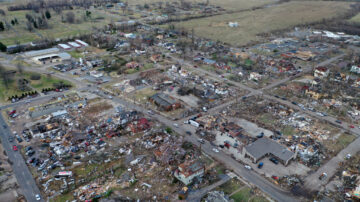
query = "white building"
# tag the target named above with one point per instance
(189, 170)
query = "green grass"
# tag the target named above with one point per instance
(231, 186)
(258, 199)
(57, 28)
(75, 54)
(340, 143)
(44, 82)
(288, 130)
(242, 196)
(266, 119)
(63, 197)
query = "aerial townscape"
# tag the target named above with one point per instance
(179, 100)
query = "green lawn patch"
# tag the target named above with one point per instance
(242, 196)
(231, 186)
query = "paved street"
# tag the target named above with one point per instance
(24, 178)
(28, 184)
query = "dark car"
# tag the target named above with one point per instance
(28, 148)
(30, 153)
(283, 98)
(11, 139)
(294, 103)
(277, 96)
(188, 132)
(338, 121)
(260, 135)
(274, 160)
(18, 138)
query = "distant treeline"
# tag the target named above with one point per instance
(58, 4)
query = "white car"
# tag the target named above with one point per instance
(37, 196)
(247, 167)
(215, 150)
(176, 125)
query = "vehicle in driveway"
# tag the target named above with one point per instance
(274, 160)
(15, 148)
(260, 135)
(37, 196)
(215, 150)
(261, 164)
(188, 132)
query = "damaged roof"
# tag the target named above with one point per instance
(264, 146)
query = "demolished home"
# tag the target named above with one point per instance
(164, 102)
(264, 147)
(189, 170)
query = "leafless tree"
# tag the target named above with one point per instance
(70, 17)
(2, 12)
(4, 76)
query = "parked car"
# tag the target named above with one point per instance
(247, 167)
(294, 103)
(322, 176)
(15, 148)
(260, 135)
(351, 126)
(215, 150)
(37, 196)
(188, 132)
(275, 177)
(338, 121)
(176, 125)
(28, 148)
(201, 141)
(283, 98)
(261, 164)
(274, 160)
(11, 139)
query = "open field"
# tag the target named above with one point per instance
(227, 4)
(253, 23)
(57, 28)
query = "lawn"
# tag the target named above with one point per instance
(43, 82)
(143, 94)
(242, 195)
(231, 186)
(340, 143)
(57, 28)
(253, 23)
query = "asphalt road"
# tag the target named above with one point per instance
(272, 190)
(24, 177)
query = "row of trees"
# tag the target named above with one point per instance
(59, 4)
(23, 95)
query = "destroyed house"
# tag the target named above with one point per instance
(189, 170)
(233, 129)
(321, 72)
(266, 147)
(164, 102)
(139, 125)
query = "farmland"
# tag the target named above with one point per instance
(253, 23)
(226, 4)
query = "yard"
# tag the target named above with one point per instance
(253, 23)
(13, 88)
(335, 146)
